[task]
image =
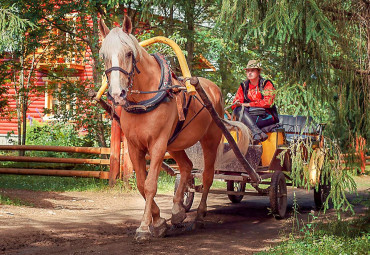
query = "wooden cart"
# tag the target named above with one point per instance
(264, 159)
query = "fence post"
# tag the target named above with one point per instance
(115, 148)
(360, 149)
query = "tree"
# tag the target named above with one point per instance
(20, 42)
(317, 49)
(64, 31)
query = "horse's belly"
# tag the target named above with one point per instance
(192, 133)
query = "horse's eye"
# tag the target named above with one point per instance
(129, 54)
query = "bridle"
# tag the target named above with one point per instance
(130, 75)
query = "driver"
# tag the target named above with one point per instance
(253, 102)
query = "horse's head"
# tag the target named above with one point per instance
(120, 51)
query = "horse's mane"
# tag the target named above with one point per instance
(117, 37)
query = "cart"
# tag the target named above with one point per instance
(265, 159)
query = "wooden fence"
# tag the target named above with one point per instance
(124, 167)
(80, 173)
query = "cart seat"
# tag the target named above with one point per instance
(298, 124)
(298, 127)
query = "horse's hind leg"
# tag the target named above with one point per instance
(209, 144)
(185, 165)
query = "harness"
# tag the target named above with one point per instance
(162, 94)
(165, 90)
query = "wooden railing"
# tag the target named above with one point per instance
(54, 172)
(78, 173)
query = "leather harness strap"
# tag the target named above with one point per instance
(150, 104)
(180, 123)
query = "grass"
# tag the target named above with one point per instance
(4, 200)
(335, 237)
(51, 183)
(166, 183)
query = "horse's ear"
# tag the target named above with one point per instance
(104, 30)
(127, 25)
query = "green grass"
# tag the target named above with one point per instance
(166, 183)
(323, 245)
(51, 183)
(4, 200)
(62, 166)
(338, 236)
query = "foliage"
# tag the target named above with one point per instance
(320, 45)
(12, 27)
(330, 171)
(314, 236)
(55, 134)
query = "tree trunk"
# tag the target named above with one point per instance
(20, 100)
(189, 14)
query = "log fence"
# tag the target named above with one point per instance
(121, 164)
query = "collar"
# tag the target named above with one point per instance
(150, 104)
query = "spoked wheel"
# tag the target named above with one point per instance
(188, 195)
(278, 195)
(320, 195)
(238, 187)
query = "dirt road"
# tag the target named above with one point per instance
(105, 223)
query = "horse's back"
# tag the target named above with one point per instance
(213, 93)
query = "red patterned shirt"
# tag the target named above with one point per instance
(255, 96)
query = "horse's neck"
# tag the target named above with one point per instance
(149, 77)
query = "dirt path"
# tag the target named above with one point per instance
(105, 223)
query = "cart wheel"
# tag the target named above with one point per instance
(320, 195)
(188, 196)
(238, 187)
(278, 195)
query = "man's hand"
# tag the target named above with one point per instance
(237, 103)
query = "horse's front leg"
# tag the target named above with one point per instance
(139, 163)
(151, 211)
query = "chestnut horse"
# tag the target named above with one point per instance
(130, 68)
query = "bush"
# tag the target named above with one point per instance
(55, 134)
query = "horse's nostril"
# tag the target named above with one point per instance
(123, 93)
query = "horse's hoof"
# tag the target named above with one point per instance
(198, 224)
(178, 218)
(142, 235)
(160, 229)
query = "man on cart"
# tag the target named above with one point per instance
(253, 103)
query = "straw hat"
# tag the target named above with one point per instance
(253, 64)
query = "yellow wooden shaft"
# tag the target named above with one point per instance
(180, 56)
(104, 86)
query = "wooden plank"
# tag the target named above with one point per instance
(89, 150)
(247, 193)
(53, 172)
(55, 160)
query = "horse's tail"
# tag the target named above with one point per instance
(244, 137)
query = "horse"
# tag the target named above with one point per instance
(148, 127)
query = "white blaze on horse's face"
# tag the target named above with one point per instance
(118, 49)
(115, 88)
